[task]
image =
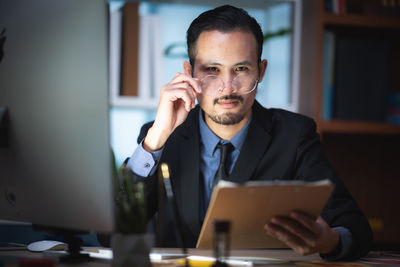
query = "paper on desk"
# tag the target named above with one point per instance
(154, 256)
(174, 257)
(105, 254)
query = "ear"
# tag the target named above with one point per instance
(187, 68)
(263, 68)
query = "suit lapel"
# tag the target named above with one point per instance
(190, 171)
(254, 147)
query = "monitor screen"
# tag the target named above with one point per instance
(56, 164)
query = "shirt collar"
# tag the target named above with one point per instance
(210, 140)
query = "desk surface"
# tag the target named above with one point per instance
(11, 258)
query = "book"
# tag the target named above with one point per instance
(336, 6)
(393, 113)
(360, 79)
(328, 74)
(251, 205)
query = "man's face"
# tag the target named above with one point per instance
(227, 55)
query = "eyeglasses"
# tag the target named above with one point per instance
(213, 85)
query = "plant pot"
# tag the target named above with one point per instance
(131, 250)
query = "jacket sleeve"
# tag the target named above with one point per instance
(150, 182)
(341, 210)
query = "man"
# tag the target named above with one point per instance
(225, 46)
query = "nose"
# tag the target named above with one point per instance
(228, 84)
(228, 87)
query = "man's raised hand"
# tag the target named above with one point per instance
(177, 98)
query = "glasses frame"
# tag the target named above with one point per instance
(219, 91)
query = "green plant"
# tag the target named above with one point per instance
(130, 202)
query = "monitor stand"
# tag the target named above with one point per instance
(74, 254)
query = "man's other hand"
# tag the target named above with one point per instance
(304, 234)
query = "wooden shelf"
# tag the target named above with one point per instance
(371, 21)
(358, 127)
(361, 152)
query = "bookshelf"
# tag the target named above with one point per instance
(358, 127)
(316, 21)
(364, 152)
(372, 21)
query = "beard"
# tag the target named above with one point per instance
(228, 118)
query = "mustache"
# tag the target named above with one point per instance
(228, 97)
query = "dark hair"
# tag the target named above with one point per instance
(225, 19)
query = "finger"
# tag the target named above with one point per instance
(187, 99)
(193, 82)
(306, 220)
(173, 89)
(186, 86)
(296, 229)
(292, 241)
(174, 94)
(283, 235)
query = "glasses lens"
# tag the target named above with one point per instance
(211, 85)
(244, 84)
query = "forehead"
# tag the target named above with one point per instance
(232, 46)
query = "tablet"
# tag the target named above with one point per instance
(249, 206)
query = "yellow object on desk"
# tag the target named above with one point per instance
(201, 261)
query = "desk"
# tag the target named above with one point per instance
(284, 254)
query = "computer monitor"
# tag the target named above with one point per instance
(56, 164)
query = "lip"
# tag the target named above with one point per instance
(231, 103)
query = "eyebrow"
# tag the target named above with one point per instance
(246, 62)
(211, 63)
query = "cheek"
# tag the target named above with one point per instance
(204, 100)
(248, 100)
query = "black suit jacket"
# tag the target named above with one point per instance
(280, 145)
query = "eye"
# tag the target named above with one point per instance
(242, 69)
(211, 69)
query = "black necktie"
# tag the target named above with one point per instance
(221, 174)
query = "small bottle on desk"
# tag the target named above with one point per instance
(221, 242)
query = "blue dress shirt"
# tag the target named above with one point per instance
(210, 156)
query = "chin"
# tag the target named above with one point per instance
(227, 118)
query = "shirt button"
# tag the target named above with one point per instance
(147, 165)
